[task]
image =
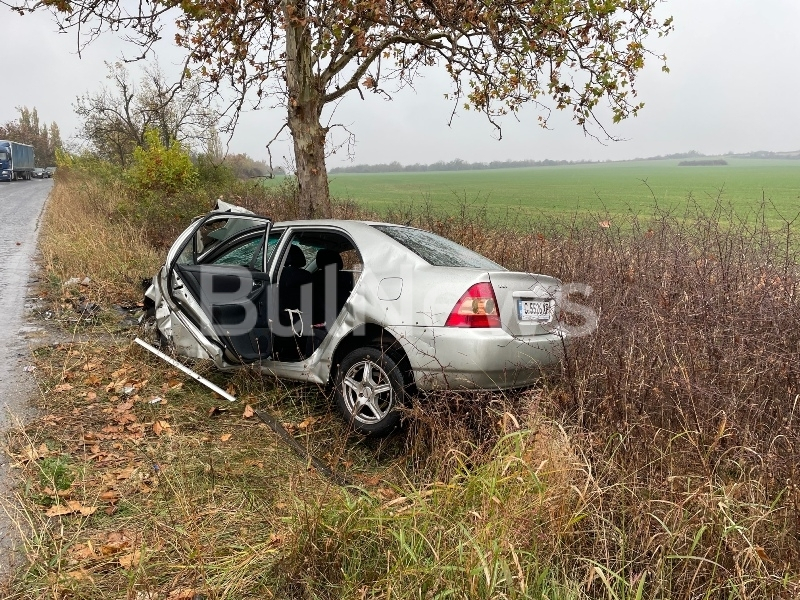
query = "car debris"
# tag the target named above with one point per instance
(215, 388)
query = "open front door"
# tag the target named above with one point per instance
(218, 276)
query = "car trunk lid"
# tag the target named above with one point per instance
(526, 301)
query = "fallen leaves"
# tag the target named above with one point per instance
(215, 411)
(71, 507)
(125, 473)
(183, 594)
(162, 428)
(81, 552)
(110, 496)
(130, 560)
(30, 453)
(304, 425)
(124, 406)
(92, 380)
(79, 575)
(172, 384)
(111, 426)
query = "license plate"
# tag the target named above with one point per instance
(535, 310)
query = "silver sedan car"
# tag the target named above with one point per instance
(376, 310)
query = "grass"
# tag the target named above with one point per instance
(607, 189)
(661, 463)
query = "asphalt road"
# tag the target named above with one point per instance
(21, 205)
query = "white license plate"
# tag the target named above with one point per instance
(535, 310)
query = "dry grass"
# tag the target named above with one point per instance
(83, 235)
(662, 462)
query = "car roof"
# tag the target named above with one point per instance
(344, 223)
(228, 208)
(355, 227)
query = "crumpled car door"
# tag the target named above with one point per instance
(218, 277)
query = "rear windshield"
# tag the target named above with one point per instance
(438, 251)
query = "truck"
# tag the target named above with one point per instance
(16, 161)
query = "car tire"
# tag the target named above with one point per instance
(369, 390)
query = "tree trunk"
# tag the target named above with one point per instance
(304, 111)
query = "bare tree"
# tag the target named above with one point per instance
(308, 54)
(115, 118)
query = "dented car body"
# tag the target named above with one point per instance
(377, 310)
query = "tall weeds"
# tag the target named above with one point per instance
(683, 404)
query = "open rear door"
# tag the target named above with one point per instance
(218, 276)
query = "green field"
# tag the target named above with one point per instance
(612, 188)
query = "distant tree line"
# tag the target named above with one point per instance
(27, 129)
(454, 165)
(689, 158)
(674, 156)
(766, 154)
(703, 163)
(693, 154)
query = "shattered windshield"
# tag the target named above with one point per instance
(438, 251)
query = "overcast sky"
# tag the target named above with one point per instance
(734, 86)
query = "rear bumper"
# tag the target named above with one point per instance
(460, 358)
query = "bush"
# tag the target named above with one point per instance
(160, 169)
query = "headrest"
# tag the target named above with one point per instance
(295, 258)
(327, 257)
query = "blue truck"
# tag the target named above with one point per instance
(16, 161)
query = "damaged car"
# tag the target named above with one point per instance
(375, 310)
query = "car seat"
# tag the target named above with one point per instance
(331, 286)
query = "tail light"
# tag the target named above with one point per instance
(476, 308)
